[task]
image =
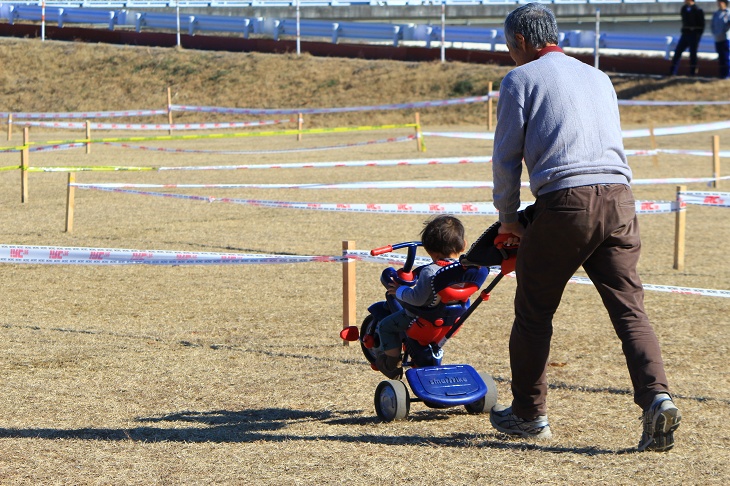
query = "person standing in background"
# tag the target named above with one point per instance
(693, 25)
(720, 25)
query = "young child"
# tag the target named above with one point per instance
(443, 239)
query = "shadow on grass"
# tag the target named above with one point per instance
(245, 426)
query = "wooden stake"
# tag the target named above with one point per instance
(490, 107)
(716, 160)
(24, 161)
(88, 136)
(419, 136)
(300, 123)
(680, 231)
(169, 109)
(655, 157)
(10, 126)
(349, 314)
(70, 202)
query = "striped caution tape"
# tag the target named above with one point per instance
(345, 109)
(155, 126)
(95, 168)
(367, 185)
(352, 163)
(461, 209)
(406, 138)
(667, 288)
(246, 111)
(399, 259)
(671, 103)
(638, 133)
(22, 254)
(340, 186)
(232, 135)
(83, 114)
(50, 148)
(719, 199)
(480, 209)
(300, 165)
(676, 180)
(701, 153)
(106, 256)
(293, 111)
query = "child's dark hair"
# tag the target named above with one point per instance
(443, 234)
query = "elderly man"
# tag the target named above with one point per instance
(561, 116)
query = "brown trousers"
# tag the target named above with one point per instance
(594, 227)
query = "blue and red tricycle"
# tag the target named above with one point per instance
(431, 382)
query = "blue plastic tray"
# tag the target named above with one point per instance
(447, 385)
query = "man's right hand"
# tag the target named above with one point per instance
(516, 229)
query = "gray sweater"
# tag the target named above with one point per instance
(561, 116)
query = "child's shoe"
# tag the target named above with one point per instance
(390, 366)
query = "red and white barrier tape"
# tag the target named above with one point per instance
(83, 114)
(462, 209)
(341, 185)
(369, 185)
(670, 103)
(701, 153)
(676, 180)
(719, 199)
(21, 254)
(352, 163)
(293, 111)
(107, 256)
(344, 109)
(406, 138)
(50, 148)
(639, 133)
(155, 126)
(399, 259)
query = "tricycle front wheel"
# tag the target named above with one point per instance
(392, 401)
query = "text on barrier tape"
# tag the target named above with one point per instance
(378, 185)
(399, 259)
(106, 256)
(293, 111)
(406, 138)
(720, 199)
(463, 209)
(231, 135)
(21, 254)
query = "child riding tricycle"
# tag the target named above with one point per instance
(423, 308)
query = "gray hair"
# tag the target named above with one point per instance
(535, 22)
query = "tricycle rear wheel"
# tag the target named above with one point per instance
(484, 404)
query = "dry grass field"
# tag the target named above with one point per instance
(236, 374)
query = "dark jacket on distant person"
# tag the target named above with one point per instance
(693, 19)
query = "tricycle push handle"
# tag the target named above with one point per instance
(410, 258)
(381, 250)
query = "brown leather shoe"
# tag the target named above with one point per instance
(390, 366)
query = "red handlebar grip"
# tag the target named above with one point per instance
(381, 250)
(501, 238)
